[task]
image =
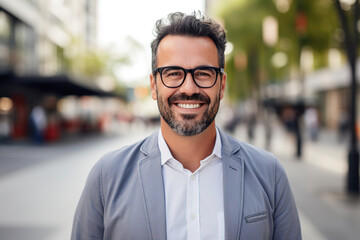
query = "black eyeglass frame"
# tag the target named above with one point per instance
(217, 70)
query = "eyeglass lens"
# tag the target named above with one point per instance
(174, 77)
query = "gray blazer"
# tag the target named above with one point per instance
(123, 197)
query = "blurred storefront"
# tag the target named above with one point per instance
(35, 39)
(327, 90)
(331, 86)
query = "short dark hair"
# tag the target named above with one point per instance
(195, 25)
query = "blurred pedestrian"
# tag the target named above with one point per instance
(292, 118)
(268, 119)
(189, 180)
(5, 127)
(288, 118)
(250, 109)
(229, 117)
(38, 123)
(311, 118)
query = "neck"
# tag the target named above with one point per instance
(190, 150)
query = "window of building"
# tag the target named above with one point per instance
(4, 26)
(5, 32)
(25, 58)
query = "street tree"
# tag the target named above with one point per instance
(349, 19)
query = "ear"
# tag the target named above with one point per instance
(153, 87)
(223, 85)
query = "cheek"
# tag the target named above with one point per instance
(214, 95)
(164, 93)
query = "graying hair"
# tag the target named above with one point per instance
(195, 25)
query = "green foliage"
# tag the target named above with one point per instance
(243, 21)
(237, 82)
(92, 64)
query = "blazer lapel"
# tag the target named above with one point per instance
(233, 170)
(153, 188)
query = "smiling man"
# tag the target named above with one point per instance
(189, 180)
(188, 87)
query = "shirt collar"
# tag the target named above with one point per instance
(166, 154)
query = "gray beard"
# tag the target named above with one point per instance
(188, 126)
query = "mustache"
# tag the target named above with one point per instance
(184, 97)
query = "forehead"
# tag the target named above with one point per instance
(187, 51)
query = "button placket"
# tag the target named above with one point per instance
(193, 207)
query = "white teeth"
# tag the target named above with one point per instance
(182, 105)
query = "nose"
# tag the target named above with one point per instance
(189, 87)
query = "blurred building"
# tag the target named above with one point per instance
(35, 34)
(37, 39)
(331, 87)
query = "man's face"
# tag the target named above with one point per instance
(188, 109)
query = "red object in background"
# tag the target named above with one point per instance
(21, 114)
(301, 23)
(71, 125)
(52, 132)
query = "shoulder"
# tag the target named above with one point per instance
(245, 150)
(257, 156)
(122, 154)
(254, 159)
(262, 171)
(127, 157)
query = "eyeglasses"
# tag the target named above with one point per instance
(203, 76)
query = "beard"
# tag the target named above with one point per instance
(188, 125)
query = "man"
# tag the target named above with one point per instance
(189, 180)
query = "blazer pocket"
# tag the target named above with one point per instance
(256, 217)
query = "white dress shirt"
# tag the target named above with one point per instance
(194, 201)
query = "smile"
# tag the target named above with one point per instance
(188, 106)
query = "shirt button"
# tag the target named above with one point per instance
(193, 215)
(192, 177)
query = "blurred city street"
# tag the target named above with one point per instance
(40, 185)
(74, 84)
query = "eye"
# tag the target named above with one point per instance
(204, 73)
(173, 73)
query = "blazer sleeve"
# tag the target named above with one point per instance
(286, 219)
(88, 218)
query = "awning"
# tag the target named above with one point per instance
(60, 85)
